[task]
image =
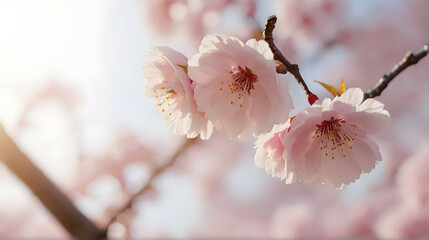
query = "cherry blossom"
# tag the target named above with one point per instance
(236, 86)
(328, 143)
(166, 81)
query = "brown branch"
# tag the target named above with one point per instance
(50, 195)
(155, 173)
(409, 59)
(286, 66)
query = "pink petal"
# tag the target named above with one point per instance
(371, 123)
(261, 110)
(309, 165)
(216, 100)
(365, 152)
(297, 142)
(202, 68)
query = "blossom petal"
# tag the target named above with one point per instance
(216, 100)
(352, 96)
(203, 67)
(366, 152)
(262, 47)
(371, 123)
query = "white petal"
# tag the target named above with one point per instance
(327, 104)
(200, 125)
(342, 107)
(262, 47)
(168, 53)
(219, 42)
(372, 106)
(353, 96)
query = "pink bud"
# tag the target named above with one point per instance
(311, 98)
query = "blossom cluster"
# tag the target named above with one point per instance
(233, 87)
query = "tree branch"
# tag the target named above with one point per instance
(409, 59)
(155, 173)
(286, 66)
(50, 195)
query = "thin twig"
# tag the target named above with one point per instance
(155, 173)
(409, 59)
(49, 194)
(286, 66)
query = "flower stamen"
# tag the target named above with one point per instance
(165, 97)
(243, 80)
(333, 135)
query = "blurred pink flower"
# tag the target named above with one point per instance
(185, 18)
(365, 210)
(157, 15)
(328, 143)
(167, 81)
(403, 222)
(409, 217)
(69, 98)
(309, 20)
(302, 224)
(223, 221)
(413, 178)
(308, 218)
(237, 87)
(209, 162)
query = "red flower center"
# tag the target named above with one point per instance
(243, 80)
(334, 134)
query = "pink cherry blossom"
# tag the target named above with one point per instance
(327, 143)
(166, 81)
(236, 86)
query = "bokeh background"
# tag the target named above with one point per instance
(72, 98)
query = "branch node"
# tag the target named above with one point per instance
(277, 55)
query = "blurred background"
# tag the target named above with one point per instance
(72, 98)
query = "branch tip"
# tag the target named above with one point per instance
(409, 59)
